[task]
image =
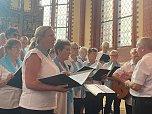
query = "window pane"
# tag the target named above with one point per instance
(62, 1)
(61, 33)
(47, 16)
(106, 32)
(106, 21)
(125, 23)
(126, 8)
(61, 19)
(46, 2)
(107, 8)
(62, 16)
(15, 4)
(125, 32)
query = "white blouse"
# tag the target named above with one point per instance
(9, 96)
(143, 75)
(39, 100)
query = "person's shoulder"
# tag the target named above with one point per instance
(147, 58)
(34, 53)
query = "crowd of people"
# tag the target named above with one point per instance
(44, 56)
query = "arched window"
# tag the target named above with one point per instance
(116, 16)
(61, 18)
(125, 11)
(47, 4)
(106, 21)
(59, 10)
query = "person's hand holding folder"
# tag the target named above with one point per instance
(62, 88)
(3, 82)
(10, 76)
(74, 80)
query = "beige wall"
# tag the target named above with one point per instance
(140, 19)
(87, 34)
(76, 21)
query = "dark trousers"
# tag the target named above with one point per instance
(128, 108)
(78, 105)
(10, 111)
(93, 104)
(142, 105)
(27, 111)
(109, 100)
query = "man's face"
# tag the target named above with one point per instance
(134, 55)
(140, 49)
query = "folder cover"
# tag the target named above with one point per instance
(85, 68)
(75, 79)
(96, 89)
(93, 67)
(16, 81)
(112, 71)
(100, 74)
(105, 58)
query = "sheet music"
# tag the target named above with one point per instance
(105, 88)
(94, 66)
(93, 89)
(80, 77)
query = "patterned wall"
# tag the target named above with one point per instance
(88, 15)
(75, 21)
(147, 18)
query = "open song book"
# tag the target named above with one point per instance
(105, 58)
(98, 74)
(75, 79)
(96, 89)
(16, 81)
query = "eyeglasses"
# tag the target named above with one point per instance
(17, 47)
(113, 55)
(75, 48)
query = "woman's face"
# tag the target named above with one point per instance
(92, 56)
(113, 57)
(74, 50)
(64, 54)
(15, 51)
(49, 38)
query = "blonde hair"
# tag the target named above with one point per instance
(83, 49)
(74, 44)
(113, 52)
(105, 44)
(39, 34)
(32, 44)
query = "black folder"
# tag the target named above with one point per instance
(74, 80)
(112, 71)
(16, 81)
(84, 68)
(100, 74)
(105, 58)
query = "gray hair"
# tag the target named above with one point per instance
(146, 41)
